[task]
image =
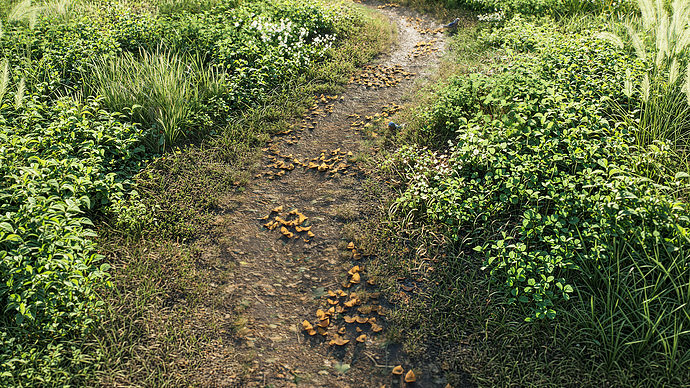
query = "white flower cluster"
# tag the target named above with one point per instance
(292, 42)
(492, 17)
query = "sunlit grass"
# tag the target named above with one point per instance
(159, 90)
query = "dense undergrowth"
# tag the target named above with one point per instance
(543, 199)
(94, 98)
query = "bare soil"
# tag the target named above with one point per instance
(312, 181)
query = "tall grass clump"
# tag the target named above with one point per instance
(159, 90)
(659, 41)
(633, 306)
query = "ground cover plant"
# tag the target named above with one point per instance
(75, 134)
(498, 10)
(546, 213)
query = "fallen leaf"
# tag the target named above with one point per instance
(410, 377)
(324, 323)
(340, 367)
(319, 292)
(364, 309)
(398, 370)
(286, 232)
(340, 341)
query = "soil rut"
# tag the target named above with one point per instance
(283, 275)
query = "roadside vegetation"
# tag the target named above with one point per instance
(540, 206)
(120, 121)
(539, 210)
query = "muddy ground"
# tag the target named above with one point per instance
(288, 238)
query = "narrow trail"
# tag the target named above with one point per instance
(283, 275)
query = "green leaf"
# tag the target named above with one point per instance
(6, 226)
(319, 292)
(341, 367)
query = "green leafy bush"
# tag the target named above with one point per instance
(60, 163)
(518, 34)
(537, 170)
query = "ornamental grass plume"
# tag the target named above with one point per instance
(659, 41)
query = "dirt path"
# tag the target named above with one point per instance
(284, 275)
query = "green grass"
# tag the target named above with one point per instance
(659, 40)
(159, 90)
